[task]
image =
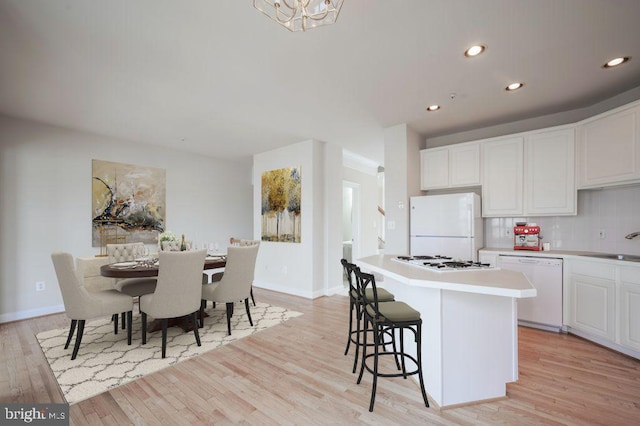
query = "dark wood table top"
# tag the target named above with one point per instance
(141, 271)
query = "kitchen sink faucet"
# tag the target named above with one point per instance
(632, 235)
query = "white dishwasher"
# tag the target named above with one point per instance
(545, 273)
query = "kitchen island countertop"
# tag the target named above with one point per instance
(494, 282)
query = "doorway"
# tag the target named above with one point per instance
(350, 220)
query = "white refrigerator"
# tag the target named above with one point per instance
(446, 225)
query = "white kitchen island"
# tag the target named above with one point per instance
(469, 326)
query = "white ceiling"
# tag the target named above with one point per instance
(219, 78)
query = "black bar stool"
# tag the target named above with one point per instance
(382, 317)
(356, 303)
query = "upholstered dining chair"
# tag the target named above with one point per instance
(81, 305)
(242, 242)
(134, 287)
(235, 284)
(177, 293)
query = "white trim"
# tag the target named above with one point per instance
(31, 313)
(283, 289)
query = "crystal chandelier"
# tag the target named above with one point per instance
(300, 15)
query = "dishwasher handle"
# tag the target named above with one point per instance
(547, 261)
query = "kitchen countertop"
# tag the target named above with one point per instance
(563, 254)
(494, 282)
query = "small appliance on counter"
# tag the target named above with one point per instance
(526, 236)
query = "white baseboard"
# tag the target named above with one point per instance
(31, 313)
(283, 289)
(296, 292)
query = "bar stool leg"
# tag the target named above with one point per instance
(376, 345)
(419, 357)
(359, 318)
(393, 345)
(364, 349)
(351, 307)
(404, 368)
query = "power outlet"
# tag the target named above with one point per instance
(602, 234)
(40, 286)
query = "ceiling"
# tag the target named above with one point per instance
(217, 77)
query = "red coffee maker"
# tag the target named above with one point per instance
(526, 237)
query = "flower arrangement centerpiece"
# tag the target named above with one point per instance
(166, 236)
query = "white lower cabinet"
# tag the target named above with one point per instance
(593, 305)
(630, 307)
(604, 303)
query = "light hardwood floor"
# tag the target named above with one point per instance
(296, 373)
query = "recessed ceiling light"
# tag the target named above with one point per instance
(513, 86)
(433, 108)
(475, 50)
(616, 61)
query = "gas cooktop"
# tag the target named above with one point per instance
(443, 263)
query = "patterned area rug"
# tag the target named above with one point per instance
(106, 361)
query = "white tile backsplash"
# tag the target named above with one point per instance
(616, 210)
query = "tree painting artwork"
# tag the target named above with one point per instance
(281, 200)
(128, 203)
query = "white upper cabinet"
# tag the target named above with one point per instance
(464, 164)
(502, 177)
(450, 167)
(609, 148)
(434, 168)
(532, 174)
(550, 184)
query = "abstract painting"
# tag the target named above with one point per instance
(281, 219)
(128, 203)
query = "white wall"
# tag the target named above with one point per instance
(310, 268)
(402, 180)
(45, 203)
(615, 210)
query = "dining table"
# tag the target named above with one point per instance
(147, 268)
(142, 269)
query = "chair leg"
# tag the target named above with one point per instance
(115, 324)
(78, 339)
(252, 299)
(351, 306)
(404, 368)
(359, 317)
(229, 314)
(203, 304)
(124, 322)
(395, 349)
(195, 328)
(419, 358)
(246, 306)
(376, 344)
(165, 323)
(130, 322)
(364, 349)
(71, 330)
(144, 328)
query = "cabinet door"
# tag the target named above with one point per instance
(610, 149)
(464, 165)
(502, 172)
(550, 173)
(434, 168)
(630, 307)
(592, 305)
